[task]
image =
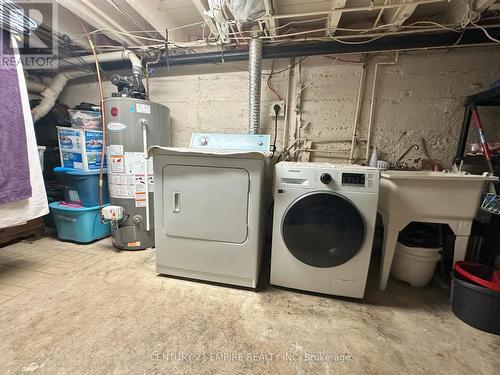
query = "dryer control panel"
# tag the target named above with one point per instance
(231, 142)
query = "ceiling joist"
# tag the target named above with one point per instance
(200, 7)
(397, 16)
(333, 20)
(100, 21)
(159, 19)
(142, 24)
(270, 21)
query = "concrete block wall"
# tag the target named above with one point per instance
(420, 97)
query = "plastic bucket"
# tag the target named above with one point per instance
(475, 305)
(422, 252)
(414, 267)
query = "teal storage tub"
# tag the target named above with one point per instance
(81, 187)
(78, 224)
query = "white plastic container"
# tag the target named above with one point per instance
(414, 265)
(41, 152)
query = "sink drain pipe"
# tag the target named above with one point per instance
(255, 76)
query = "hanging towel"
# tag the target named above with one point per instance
(14, 169)
(19, 212)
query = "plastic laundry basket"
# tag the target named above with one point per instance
(78, 224)
(81, 187)
(414, 265)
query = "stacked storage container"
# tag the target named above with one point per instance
(77, 218)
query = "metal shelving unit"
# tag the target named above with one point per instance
(486, 98)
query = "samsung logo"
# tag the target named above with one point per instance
(294, 170)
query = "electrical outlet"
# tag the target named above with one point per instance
(281, 113)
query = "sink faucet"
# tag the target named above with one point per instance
(399, 164)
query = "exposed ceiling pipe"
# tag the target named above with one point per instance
(56, 86)
(35, 86)
(255, 77)
(52, 92)
(395, 42)
(103, 58)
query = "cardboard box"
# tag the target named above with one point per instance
(80, 148)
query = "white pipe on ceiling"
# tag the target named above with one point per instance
(103, 57)
(55, 87)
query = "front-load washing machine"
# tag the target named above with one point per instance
(324, 220)
(210, 207)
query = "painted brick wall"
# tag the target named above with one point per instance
(421, 97)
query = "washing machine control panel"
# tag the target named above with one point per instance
(326, 176)
(357, 179)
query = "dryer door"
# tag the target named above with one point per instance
(323, 229)
(206, 203)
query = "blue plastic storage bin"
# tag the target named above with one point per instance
(81, 225)
(82, 187)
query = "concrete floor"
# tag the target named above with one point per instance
(67, 308)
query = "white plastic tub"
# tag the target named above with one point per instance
(414, 265)
(429, 197)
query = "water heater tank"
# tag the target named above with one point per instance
(131, 126)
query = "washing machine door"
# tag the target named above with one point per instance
(323, 229)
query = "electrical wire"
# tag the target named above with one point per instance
(298, 22)
(69, 47)
(275, 132)
(362, 31)
(420, 26)
(294, 34)
(344, 61)
(13, 19)
(287, 37)
(486, 33)
(471, 18)
(191, 45)
(291, 65)
(134, 36)
(188, 25)
(112, 2)
(357, 42)
(269, 84)
(133, 32)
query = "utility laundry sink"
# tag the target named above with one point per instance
(425, 196)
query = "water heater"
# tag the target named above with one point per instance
(133, 125)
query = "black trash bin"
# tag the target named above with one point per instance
(475, 305)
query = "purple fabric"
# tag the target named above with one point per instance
(14, 168)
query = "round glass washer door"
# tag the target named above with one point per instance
(323, 229)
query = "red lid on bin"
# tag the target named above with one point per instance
(479, 274)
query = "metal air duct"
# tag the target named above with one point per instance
(254, 70)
